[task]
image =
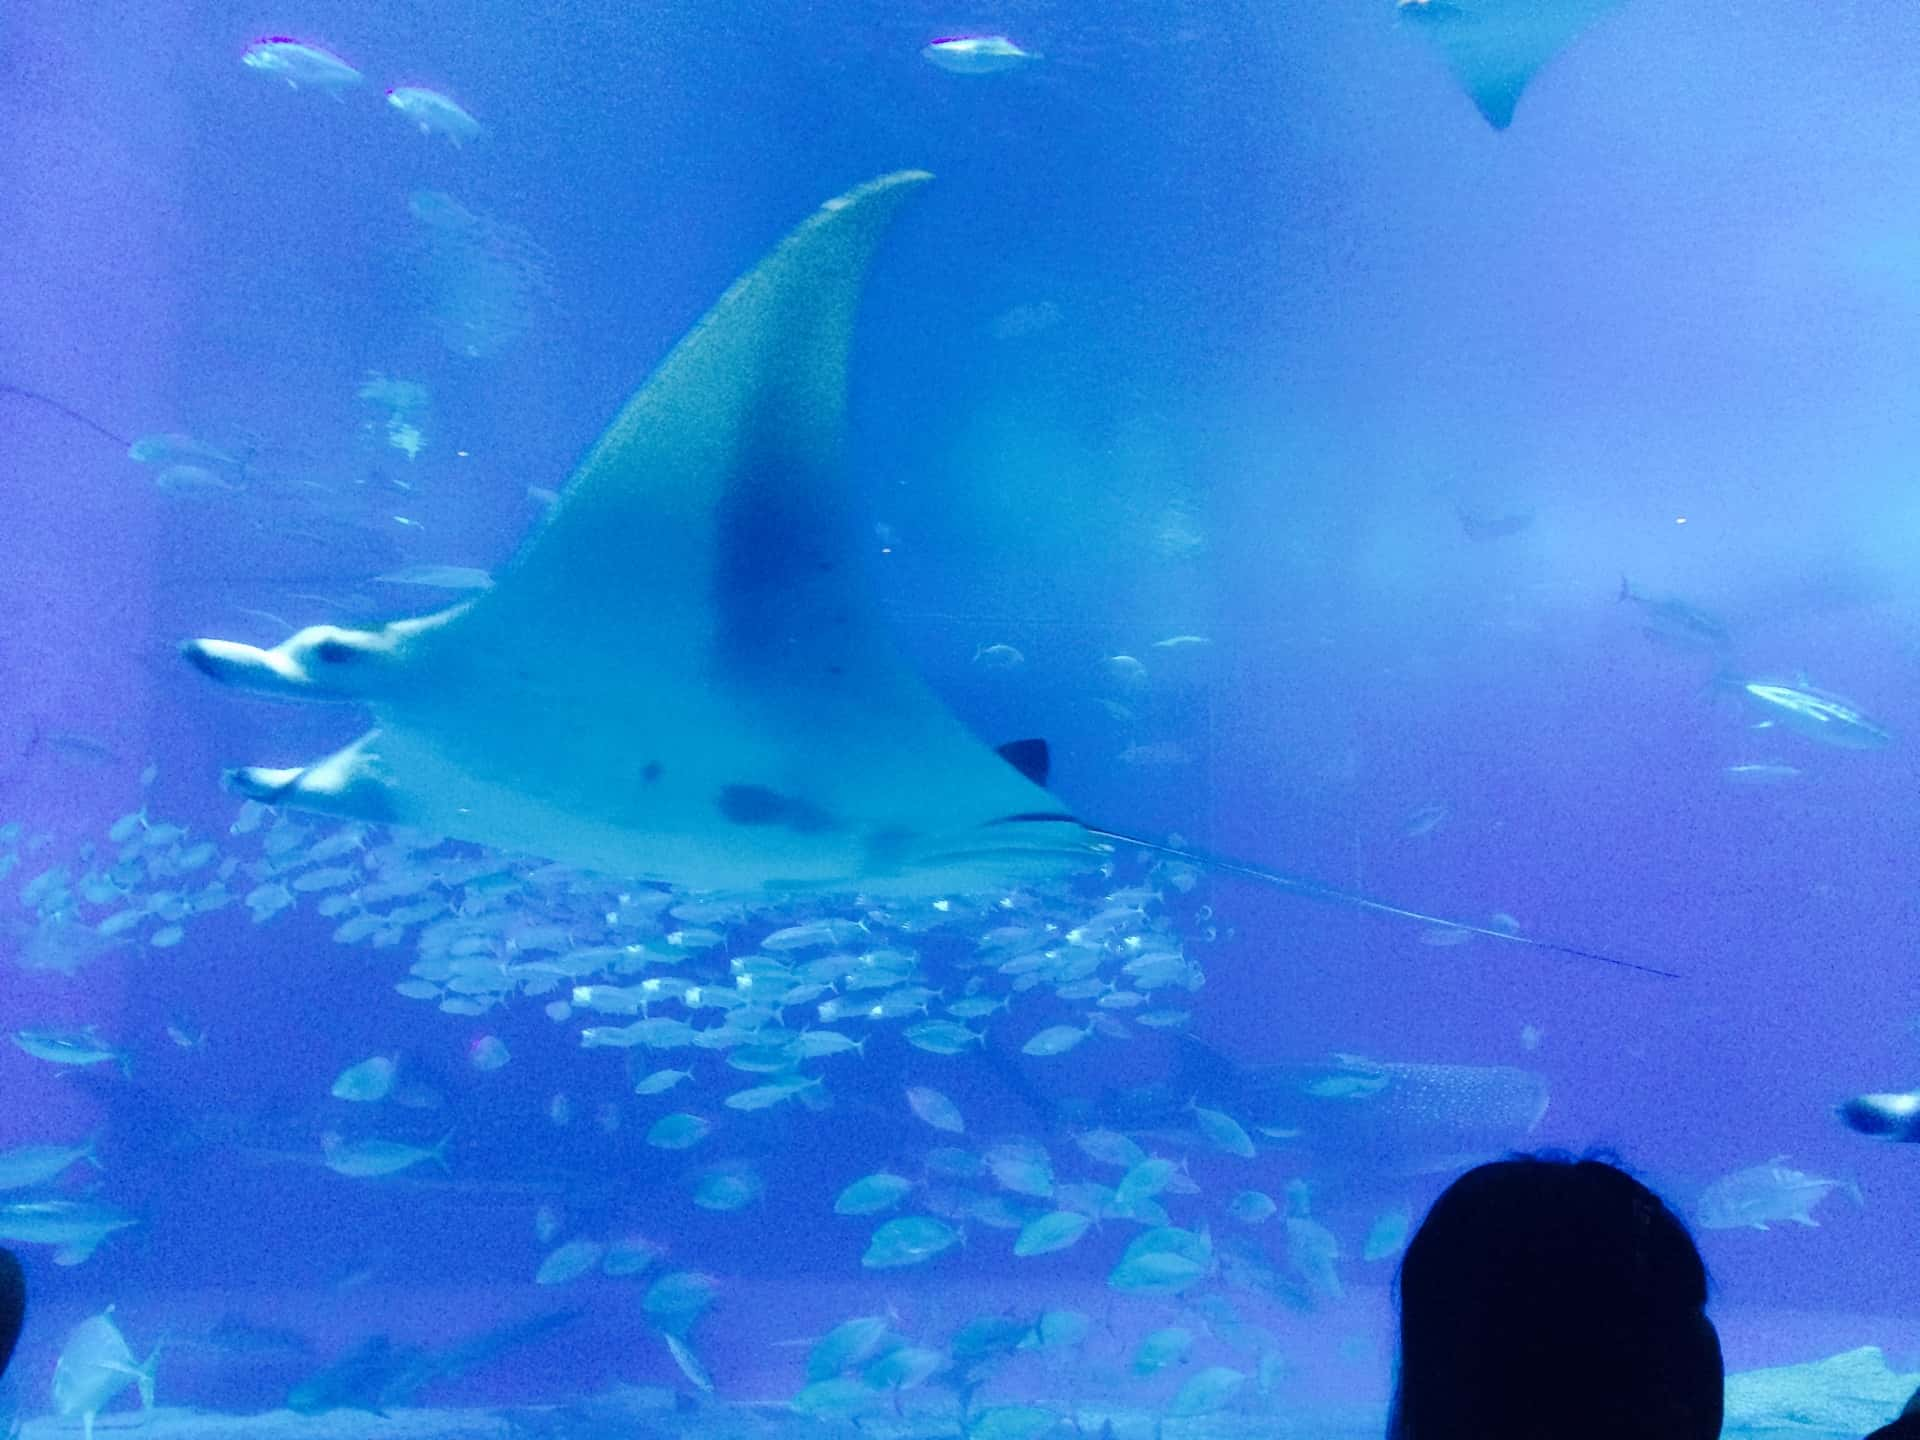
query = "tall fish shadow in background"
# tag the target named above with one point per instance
(682, 676)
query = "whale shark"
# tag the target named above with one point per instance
(1495, 47)
(681, 676)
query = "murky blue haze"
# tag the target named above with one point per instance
(1485, 466)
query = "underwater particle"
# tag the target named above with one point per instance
(365, 1159)
(1387, 1236)
(546, 1223)
(1531, 1036)
(569, 1262)
(936, 1109)
(560, 1110)
(1050, 1232)
(94, 1366)
(681, 1130)
(487, 1052)
(909, 1240)
(975, 54)
(607, 1116)
(1760, 1194)
(1425, 820)
(1211, 1389)
(872, 1195)
(1161, 1349)
(998, 657)
(434, 113)
(1252, 1207)
(300, 64)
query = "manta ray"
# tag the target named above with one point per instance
(681, 676)
(1494, 47)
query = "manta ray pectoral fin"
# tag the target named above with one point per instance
(245, 667)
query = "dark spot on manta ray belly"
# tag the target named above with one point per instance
(651, 772)
(758, 805)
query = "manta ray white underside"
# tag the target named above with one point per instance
(681, 676)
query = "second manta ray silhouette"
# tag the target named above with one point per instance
(681, 676)
(1494, 47)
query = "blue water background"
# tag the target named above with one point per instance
(1308, 307)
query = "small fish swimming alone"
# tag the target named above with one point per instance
(369, 1081)
(1815, 714)
(1676, 622)
(69, 1047)
(434, 113)
(365, 1159)
(74, 1228)
(27, 1165)
(1766, 1193)
(94, 1366)
(976, 54)
(301, 64)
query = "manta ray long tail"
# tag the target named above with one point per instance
(1313, 889)
(37, 398)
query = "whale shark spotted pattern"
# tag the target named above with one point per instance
(681, 676)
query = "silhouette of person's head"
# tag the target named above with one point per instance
(1547, 1296)
(13, 1305)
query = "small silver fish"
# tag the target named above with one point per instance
(976, 54)
(434, 113)
(299, 63)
